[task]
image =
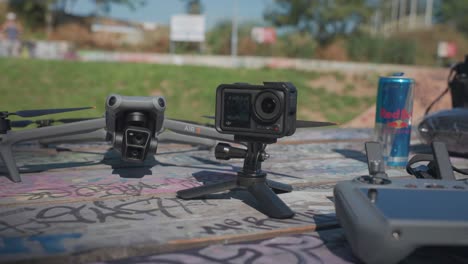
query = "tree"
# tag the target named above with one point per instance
(325, 19)
(454, 12)
(34, 12)
(105, 5)
(193, 7)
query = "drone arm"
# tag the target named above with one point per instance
(196, 130)
(56, 131)
(95, 136)
(169, 136)
(100, 135)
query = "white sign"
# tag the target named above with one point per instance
(446, 49)
(188, 28)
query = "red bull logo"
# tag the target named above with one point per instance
(398, 124)
(399, 114)
(400, 118)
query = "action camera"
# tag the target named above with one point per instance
(132, 123)
(260, 111)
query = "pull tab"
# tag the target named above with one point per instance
(397, 74)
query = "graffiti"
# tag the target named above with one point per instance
(16, 211)
(49, 243)
(13, 245)
(41, 50)
(29, 226)
(29, 231)
(89, 212)
(266, 223)
(104, 190)
(98, 212)
(306, 248)
(53, 243)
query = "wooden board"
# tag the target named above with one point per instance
(79, 203)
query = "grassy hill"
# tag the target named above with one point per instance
(189, 90)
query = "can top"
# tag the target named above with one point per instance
(396, 77)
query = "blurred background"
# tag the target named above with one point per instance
(70, 53)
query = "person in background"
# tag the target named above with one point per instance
(11, 30)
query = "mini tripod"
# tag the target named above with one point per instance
(251, 178)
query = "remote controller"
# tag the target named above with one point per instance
(384, 219)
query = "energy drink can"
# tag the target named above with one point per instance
(393, 118)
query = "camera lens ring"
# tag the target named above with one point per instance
(267, 107)
(112, 101)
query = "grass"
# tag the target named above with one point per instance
(189, 90)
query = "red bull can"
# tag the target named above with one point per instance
(393, 118)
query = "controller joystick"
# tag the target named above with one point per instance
(376, 166)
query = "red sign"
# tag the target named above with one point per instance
(447, 49)
(266, 35)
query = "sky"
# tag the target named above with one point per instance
(160, 11)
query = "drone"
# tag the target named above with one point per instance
(79, 130)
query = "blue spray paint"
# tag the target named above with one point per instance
(13, 245)
(53, 243)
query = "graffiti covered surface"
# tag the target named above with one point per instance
(79, 202)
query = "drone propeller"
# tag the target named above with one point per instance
(41, 112)
(21, 123)
(72, 120)
(46, 122)
(301, 123)
(305, 124)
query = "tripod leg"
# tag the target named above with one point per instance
(7, 156)
(207, 189)
(279, 187)
(269, 202)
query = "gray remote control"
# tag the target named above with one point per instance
(384, 220)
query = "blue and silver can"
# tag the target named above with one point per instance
(393, 118)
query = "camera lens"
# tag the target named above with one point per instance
(267, 107)
(138, 139)
(135, 137)
(135, 153)
(136, 119)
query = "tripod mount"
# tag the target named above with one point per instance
(251, 177)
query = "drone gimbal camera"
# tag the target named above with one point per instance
(256, 115)
(133, 123)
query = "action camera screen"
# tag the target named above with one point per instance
(237, 109)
